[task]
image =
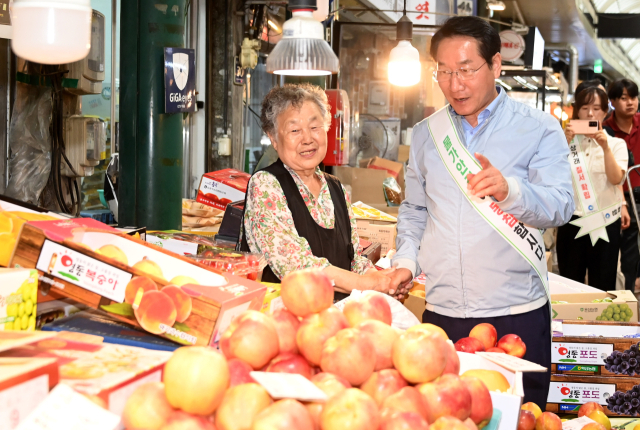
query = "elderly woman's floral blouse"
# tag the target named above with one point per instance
(271, 231)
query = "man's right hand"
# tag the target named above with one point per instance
(400, 283)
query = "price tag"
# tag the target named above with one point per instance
(86, 272)
(65, 409)
(512, 363)
(289, 386)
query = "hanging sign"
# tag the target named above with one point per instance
(512, 45)
(179, 80)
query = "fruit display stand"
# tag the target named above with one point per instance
(89, 262)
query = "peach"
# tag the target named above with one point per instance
(408, 399)
(369, 306)
(135, 284)
(306, 292)
(179, 420)
(600, 417)
(240, 405)
(469, 344)
(512, 345)
(350, 355)
(548, 421)
(182, 301)
(239, 372)
(481, 403)
(195, 379)
(251, 337)
(287, 325)
(589, 407)
(382, 336)
(113, 252)
(447, 396)
(527, 420)
(419, 356)
(156, 312)
(533, 408)
(351, 409)
(496, 349)
(283, 415)
(382, 384)
(486, 334)
(453, 361)
(316, 329)
(405, 421)
(331, 385)
(290, 363)
(448, 423)
(147, 408)
(492, 379)
(429, 328)
(594, 426)
(149, 267)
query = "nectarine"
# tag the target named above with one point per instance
(481, 403)
(306, 292)
(240, 405)
(447, 396)
(382, 336)
(470, 345)
(383, 384)
(533, 408)
(369, 306)
(548, 421)
(251, 337)
(290, 363)
(316, 329)
(527, 420)
(147, 407)
(486, 334)
(420, 356)
(351, 409)
(349, 354)
(287, 325)
(283, 415)
(512, 345)
(408, 399)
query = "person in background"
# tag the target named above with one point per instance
(605, 163)
(625, 122)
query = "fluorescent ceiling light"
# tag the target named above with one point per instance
(495, 5)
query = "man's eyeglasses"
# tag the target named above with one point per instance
(462, 73)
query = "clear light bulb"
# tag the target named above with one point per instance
(404, 65)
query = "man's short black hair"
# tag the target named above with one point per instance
(469, 26)
(618, 86)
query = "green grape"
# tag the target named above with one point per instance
(8, 326)
(627, 319)
(616, 317)
(28, 307)
(616, 311)
(32, 323)
(608, 300)
(609, 313)
(598, 318)
(24, 322)
(624, 306)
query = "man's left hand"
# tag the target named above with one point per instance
(488, 182)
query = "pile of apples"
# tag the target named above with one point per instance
(375, 377)
(532, 418)
(484, 337)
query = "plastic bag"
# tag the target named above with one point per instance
(401, 317)
(392, 192)
(30, 143)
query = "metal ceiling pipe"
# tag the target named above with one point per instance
(573, 62)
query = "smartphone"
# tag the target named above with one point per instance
(585, 126)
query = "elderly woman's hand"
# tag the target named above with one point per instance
(377, 280)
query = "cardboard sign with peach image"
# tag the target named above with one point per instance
(163, 293)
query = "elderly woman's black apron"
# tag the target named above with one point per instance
(333, 244)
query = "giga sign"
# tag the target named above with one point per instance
(179, 80)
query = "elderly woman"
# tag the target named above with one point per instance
(296, 215)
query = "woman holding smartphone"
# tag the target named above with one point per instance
(590, 242)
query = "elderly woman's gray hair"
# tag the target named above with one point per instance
(279, 99)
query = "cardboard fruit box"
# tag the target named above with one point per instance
(602, 306)
(568, 392)
(585, 346)
(218, 189)
(102, 268)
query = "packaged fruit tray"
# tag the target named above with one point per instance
(244, 264)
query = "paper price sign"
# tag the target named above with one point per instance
(83, 271)
(289, 386)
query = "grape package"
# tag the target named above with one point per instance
(626, 403)
(624, 363)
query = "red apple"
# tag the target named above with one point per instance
(589, 407)
(420, 356)
(239, 372)
(496, 349)
(349, 354)
(408, 399)
(251, 337)
(548, 421)
(316, 329)
(447, 396)
(448, 423)
(512, 345)
(351, 409)
(469, 344)
(527, 420)
(369, 306)
(383, 384)
(283, 415)
(453, 361)
(486, 334)
(306, 292)
(331, 385)
(240, 405)
(405, 421)
(290, 363)
(481, 404)
(287, 325)
(382, 336)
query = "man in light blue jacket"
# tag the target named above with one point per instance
(473, 274)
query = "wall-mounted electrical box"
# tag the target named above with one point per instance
(88, 73)
(86, 144)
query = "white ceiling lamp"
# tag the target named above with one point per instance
(51, 31)
(404, 60)
(495, 5)
(302, 51)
